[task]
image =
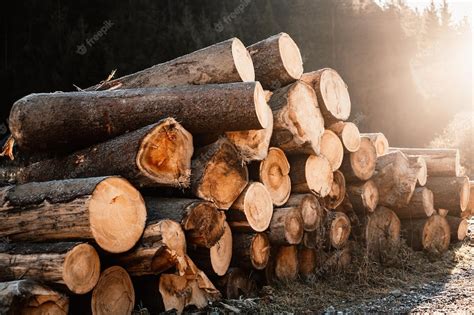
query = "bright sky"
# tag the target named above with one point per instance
(459, 8)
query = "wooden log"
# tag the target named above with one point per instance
(338, 229)
(254, 205)
(348, 133)
(80, 119)
(450, 193)
(277, 61)
(108, 210)
(224, 62)
(315, 239)
(310, 174)
(335, 262)
(432, 235)
(156, 155)
(363, 196)
(237, 283)
(333, 96)
(75, 265)
(215, 260)
(470, 205)
(360, 165)
(29, 297)
(202, 222)
(250, 250)
(306, 261)
(297, 121)
(286, 226)
(311, 210)
(395, 180)
(114, 293)
(332, 149)
(379, 141)
(218, 174)
(459, 228)
(419, 207)
(338, 191)
(418, 163)
(439, 162)
(286, 263)
(273, 173)
(163, 246)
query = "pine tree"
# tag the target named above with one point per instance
(445, 14)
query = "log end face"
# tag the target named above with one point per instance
(242, 61)
(335, 94)
(274, 174)
(258, 206)
(172, 236)
(294, 227)
(340, 230)
(351, 137)
(319, 175)
(204, 225)
(436, 235)
(464, 194)
(81, 269)
(262, 109)
(260, 251)
(117, 215)
(312, 213)
(463, 230)
(286, 264)
(422, 174)
(381, 144)
(370, 196)
(332, 149)
(291, 56)
(363, 161)
(221, 252)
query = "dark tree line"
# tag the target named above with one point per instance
(406, 70)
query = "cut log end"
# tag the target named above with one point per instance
(242, 61)
(286, 263)
(312, 213)
(114, 293)
(382, 234)
(339, 229)
(274, 174)
(204, 224)
(294, 227)
(290, 56)
(221, 252)
(165, 154)
(319, 176)
(436, 235)
(81, 269)
(363, 161)
(365, 195)
(117, 215)
(260, 251)
(332, 149)
(338, 191)
(380, 142)
(422, 174)
(350, 137)
(464, 196)
(306, 261)
(261, 106)
(173, 237)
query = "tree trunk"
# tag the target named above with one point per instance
(156, 155)
(338, 229)
(251, 250)
(312, 212)
(29, 297)
(237, 283)
(439, 162)
(286, 226)
(458, 227)
(450, 193)
(297, 121)
(395, 180)
(419, 207)
(277, 61)
(310, 174)
(332, 149)
(333, 96)
(273, 172)
(360, 165)
(75, 265)
(363, 196)
(114, 293)
(286, 263)
(432, 235)
(338, 191)
(80, 119)
(418, 163)
(163, 246)
(254, 205)
(218, 174)
(379, 141)
(201, 220)
(348, 133)
(306, 261)
(224, 62)
(107, 210)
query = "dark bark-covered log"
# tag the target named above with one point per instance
(286, 226)
(335, 262)
(311, 210)
(306, 261)
(156, 155)
(277, 61)
(163, 246)
(419, 207)
(315, 239)
(75, 265)
(333, 96)
(450, 193)
(348, 133)
(439, 162)
(379, 141)
(108, 210)
(29, 297)
(338, 229)
(310, 174)
(250, 250)
(419, 164)
(338, 191)
(72, 120)
(360, 165)
(286, 263)
(297, 121)
(432, 235)
(363, 196)
(114, 293)
(332, 149)
(237, 283)
(395, 180)
(224, 62)
(273, 172)
(201, 220)
(458, 227)
(254, 205)
(218, 175)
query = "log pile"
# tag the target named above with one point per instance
(196, 172)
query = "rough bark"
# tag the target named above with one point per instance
(379, 141)
(363, 196)
(338, 229)
(286, 226)
(419, 207)
(338, 191)
(310, 174)
(311, 210)
(306, 261)
(432, 235)
(348, 133)
(360, 165)
(332, 149)
(450, 193)
(459, 228)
